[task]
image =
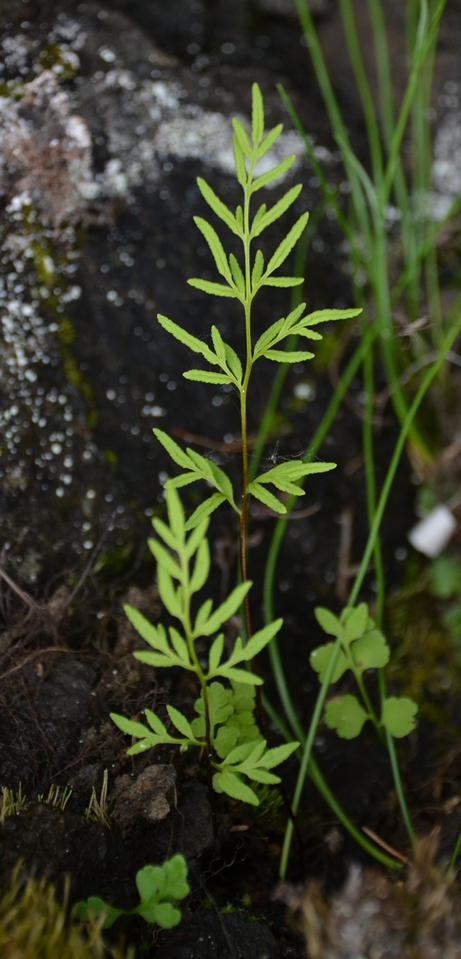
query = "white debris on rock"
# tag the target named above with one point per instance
(45, 151)
(208, 136)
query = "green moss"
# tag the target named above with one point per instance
(34, 925)
(13, 89)
(56, 58)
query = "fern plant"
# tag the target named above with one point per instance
(225, 727)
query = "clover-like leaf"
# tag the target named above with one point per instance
(320, 660)
(370, 651)
(95, 907)
(167, 882)
(399, 715)
(219, 708)
(328, 621)
(158, 886)
(354, 621)
(346, 716)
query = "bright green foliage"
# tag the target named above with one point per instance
(183, 564)
(159, 888)
(242, 281)
(359, 646)
(283, 477)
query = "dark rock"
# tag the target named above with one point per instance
(145, 798)
(215, 935)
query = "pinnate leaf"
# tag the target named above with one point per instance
(260, 492)
(218, 206)
(216, 247)
(272, 174)
(180, 647)
(258, 268)
(203, 376)
(214, 289)
(241, 136)
(257, 114)
(165, 559)
(230, 783)
(178, 455)
(288, 356)
(276, 211)
(324, 316)
(227, 609)
(286, 246)
(240, 169)
(214, 656)
(284, 281)
(167, 591)
(129, 726)
(192, 342)
(244, 676)
(181, 723)
(154, 635)
(269, 140)
(201, 567)
(259, 640)
(205, 509)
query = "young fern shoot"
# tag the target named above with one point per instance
(242, 281)
(224, 729)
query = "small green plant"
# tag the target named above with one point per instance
(98, 810)
(11, 802)
(35, 924)
(235, 750)
(159, 887)
(360, 646)
(225, 726)
(56, 797)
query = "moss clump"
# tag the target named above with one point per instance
(34, 925)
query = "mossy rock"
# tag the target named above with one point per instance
(35, 925)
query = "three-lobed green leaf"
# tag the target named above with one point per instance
(159, 888)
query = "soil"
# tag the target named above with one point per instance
(81, 472)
